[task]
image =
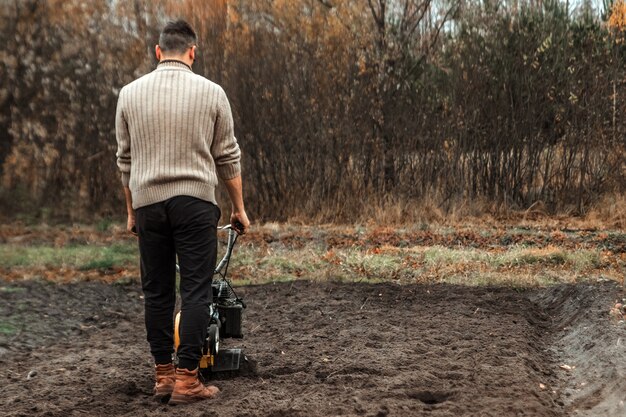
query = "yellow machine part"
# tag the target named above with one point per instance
(206, 361)
(176, 336)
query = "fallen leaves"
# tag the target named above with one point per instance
(618, 312)
(332, 258)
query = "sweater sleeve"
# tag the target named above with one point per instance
(225, 149)
(123, 141)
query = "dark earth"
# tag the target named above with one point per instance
(328, 349)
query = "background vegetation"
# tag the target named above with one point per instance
(345, 109)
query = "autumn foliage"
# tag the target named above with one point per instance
(343, 108)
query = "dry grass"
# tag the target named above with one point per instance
(517, 256)
(517, 266)
(608, 213)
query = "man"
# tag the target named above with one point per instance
(175, 139)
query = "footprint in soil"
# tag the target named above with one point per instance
(430, 397)
(383, 412)
(131, 389)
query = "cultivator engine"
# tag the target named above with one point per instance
(226, 315)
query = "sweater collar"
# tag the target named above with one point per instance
(173, 63)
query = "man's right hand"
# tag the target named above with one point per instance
(239, 221)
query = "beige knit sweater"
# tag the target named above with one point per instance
(175, 136)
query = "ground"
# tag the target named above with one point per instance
(329, 348)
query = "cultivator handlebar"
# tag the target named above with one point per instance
(232, 239)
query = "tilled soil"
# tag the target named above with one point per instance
(327, 349)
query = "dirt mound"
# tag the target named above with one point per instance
(586, 341)
(318, 349)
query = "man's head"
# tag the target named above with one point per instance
(177, 41)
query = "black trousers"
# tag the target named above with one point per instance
(186, 227)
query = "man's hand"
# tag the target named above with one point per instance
(239, 221)
(130, 224)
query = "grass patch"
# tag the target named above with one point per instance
(11, 289)
(372, 266)
(515, 266)
(7, 329)
(315, 256)
(253, 265)
(514, 257)
(550, 257)
(111, 256)
(83, 257)
(437, 255)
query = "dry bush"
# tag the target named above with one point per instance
(346, 111)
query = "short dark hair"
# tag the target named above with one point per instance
(177, 36)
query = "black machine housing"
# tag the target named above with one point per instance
(226, 317)
(228, 310)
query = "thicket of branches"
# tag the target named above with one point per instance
(342, 107)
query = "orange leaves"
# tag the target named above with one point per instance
(67, 275)
(558, 236)
(375, 251)
(332, 258)
(617, 20)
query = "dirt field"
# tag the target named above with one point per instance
(326, 349)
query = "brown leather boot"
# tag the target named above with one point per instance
(165, 381)
(189, 389)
